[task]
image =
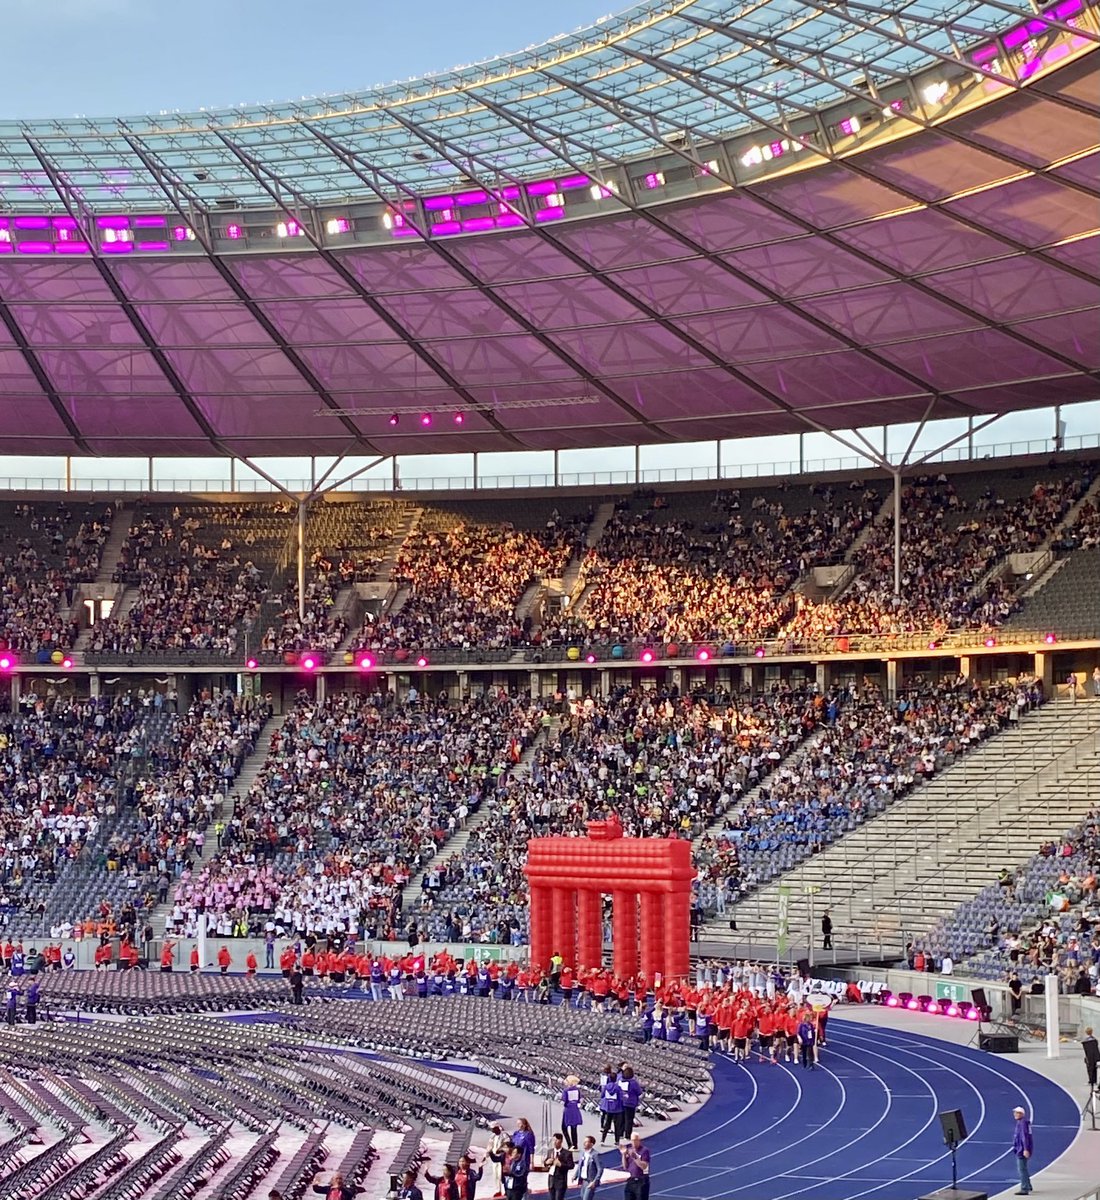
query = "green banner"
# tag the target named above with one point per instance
(784, 922)
(483, 953)
(950, 991)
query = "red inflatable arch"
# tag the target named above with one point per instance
(649, 882)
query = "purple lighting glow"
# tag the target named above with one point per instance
(112, 222)
(36, 247)
(72, 248)
(150, 222)
(158, 247)
(234, 232)
(32, 223)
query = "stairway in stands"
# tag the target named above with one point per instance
(250, 768)
(410, 900)
(104, 584)
(940, 845)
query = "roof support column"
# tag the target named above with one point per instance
(303, 511)
(637, 465)
(897, 533)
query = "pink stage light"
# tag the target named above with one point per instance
(647, 656)
(952, 1010)
(394, 418)
(7, 661)
(67, 662)
(972, 1014)
(933, 1008)
(308, 662)
(913, 1005)
(893, 1002)
(590, 659)
(1050, 639)
(422, 661)
(759, 652)
(990, 642)
(460, 418)
(251, 664)
(425, 419)
(365, 662)
(703, 654)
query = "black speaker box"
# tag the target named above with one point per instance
(999, 1043)
(978, 998)
(803, 967)
(953, 1126)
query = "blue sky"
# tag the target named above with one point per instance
(101, 57)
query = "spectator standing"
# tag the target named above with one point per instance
(558, 1162)
(1092, 1055)
(826, 931)
(636, 1163)
(1096, 682)
(408, 1189)
(336, 1189)
(1022, 1147)
(589, 1169)
(571, 1111)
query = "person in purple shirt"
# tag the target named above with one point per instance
(1022, 1147)
(631, 1091)
(636, 1164)
(571, 1111)
(524, 1141)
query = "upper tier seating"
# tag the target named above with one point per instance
(45, 550)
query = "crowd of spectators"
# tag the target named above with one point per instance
(666, 571)
(194, 762)
(60, 763)
(948, 547)
(197, 583)
(664, 764)
(355, 795)
(464, 582)
(45, 550)
(1043, 918)
(671, 766)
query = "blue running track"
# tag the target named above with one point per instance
(863, 1124)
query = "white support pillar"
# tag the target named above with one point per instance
(557, 472)
(897, 533)
(150, 465)
(321, 687)
(1050, 1004)
(535, 690)
(802, 454)
(94, 685)
(475, 469)
(232, 474)
(303, 508)
(68, 472)
(891, 677)
(637, 465)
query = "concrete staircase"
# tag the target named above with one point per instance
(896, 874)
(410, 900)
(251, 767)
(600, 521)
(721, 823)
(112, 551)
(884, 514)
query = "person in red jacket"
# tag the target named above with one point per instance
(167, 954)
(225, 959)
(309, 961)
(765, 1031)
(195, 960)
(743, 1022)
(250, 964)
(286, 961)
(103, 956)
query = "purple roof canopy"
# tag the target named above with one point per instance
(947, 271)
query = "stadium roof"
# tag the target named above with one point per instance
(693, 220)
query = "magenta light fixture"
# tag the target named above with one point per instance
(460, 418)
(703, 654)
(7, 661)
(422, 661)
(647, 656)
(590, 659)
(990, 642)
(892, 1002)
(912, 1005)
(952, 1010)
(1050, 639)
(365, 662)
(759, 652)
(394, 419)
(251, 664)
(425, 419)
(309, 662)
